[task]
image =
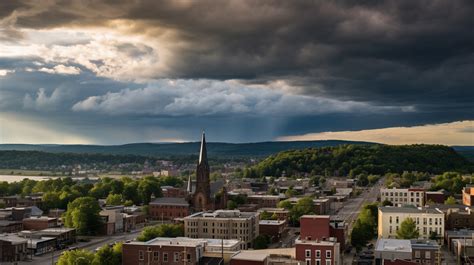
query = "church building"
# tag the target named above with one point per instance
(204, 196)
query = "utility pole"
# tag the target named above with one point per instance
(222, 249)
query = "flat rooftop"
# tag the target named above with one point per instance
(223, 214)
(392, 209)
(272, 222)
(399, 245)
(188, 242)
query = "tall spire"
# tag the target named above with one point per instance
(203, 152)
(190, 187)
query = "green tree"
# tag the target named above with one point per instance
(304, 206)
(114, 199)
(164, 230)
(387, 203)
(261, 242)
(231, 205)
(76, 257)
(408, 230)
(107, 256)
(83, 214)
(450, 201)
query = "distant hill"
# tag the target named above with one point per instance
(371, 159)
(466, 151)
(164, 150)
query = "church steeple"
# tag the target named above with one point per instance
(203, 151)
(202, 192)
(190, 185)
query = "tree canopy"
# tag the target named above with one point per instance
(83, 214)
(357, 159)
(408, 230)
(163, 230)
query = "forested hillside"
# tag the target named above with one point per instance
(355, 159)
(43, 160)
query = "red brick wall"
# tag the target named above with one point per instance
(339, 233)
(130, 254)
(314, 228)
(32, 224)
(301, 253)
(168, 212)
(437, 198)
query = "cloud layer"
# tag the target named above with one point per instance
(288, 68)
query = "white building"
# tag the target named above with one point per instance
(400, 197)
(427, 220)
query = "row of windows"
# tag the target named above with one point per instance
(219, 231)
(318, 262)
(425, 230)
(317, 253)
(426, 221)
(219, 224)
(417, 194)
(155, 256)
(168, 206)
(168, 214)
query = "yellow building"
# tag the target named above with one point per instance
(427, 220)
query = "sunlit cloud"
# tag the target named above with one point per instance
(455, 133)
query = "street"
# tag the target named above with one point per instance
(351, 209)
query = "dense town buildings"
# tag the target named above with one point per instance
(168, 208)
(398, 251)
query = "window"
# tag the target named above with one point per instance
(308, 262)
(318, 253)
(176, 257)
(156, 255)
(318, 262)
(390, 219)
(308, 253)
(397, 220)
(165, 257)
(188, 257)
(328, 254)
(427, 255)
(417, 254)
(328, 262)
(141, 256)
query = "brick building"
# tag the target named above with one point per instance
(39, 223)
(279, 213)
(459, 219)
(176, 251)
(273, 228)
(314, 227)
(467, 196)
(401, 251)
(12, 248)
(264, 201)
(10, 226)
(435, 196)
(170, 191)
(168, 208)
(313, 252)
(64, 236)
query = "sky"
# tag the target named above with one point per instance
(116, 72)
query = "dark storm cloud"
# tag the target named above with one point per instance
(417, 55)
